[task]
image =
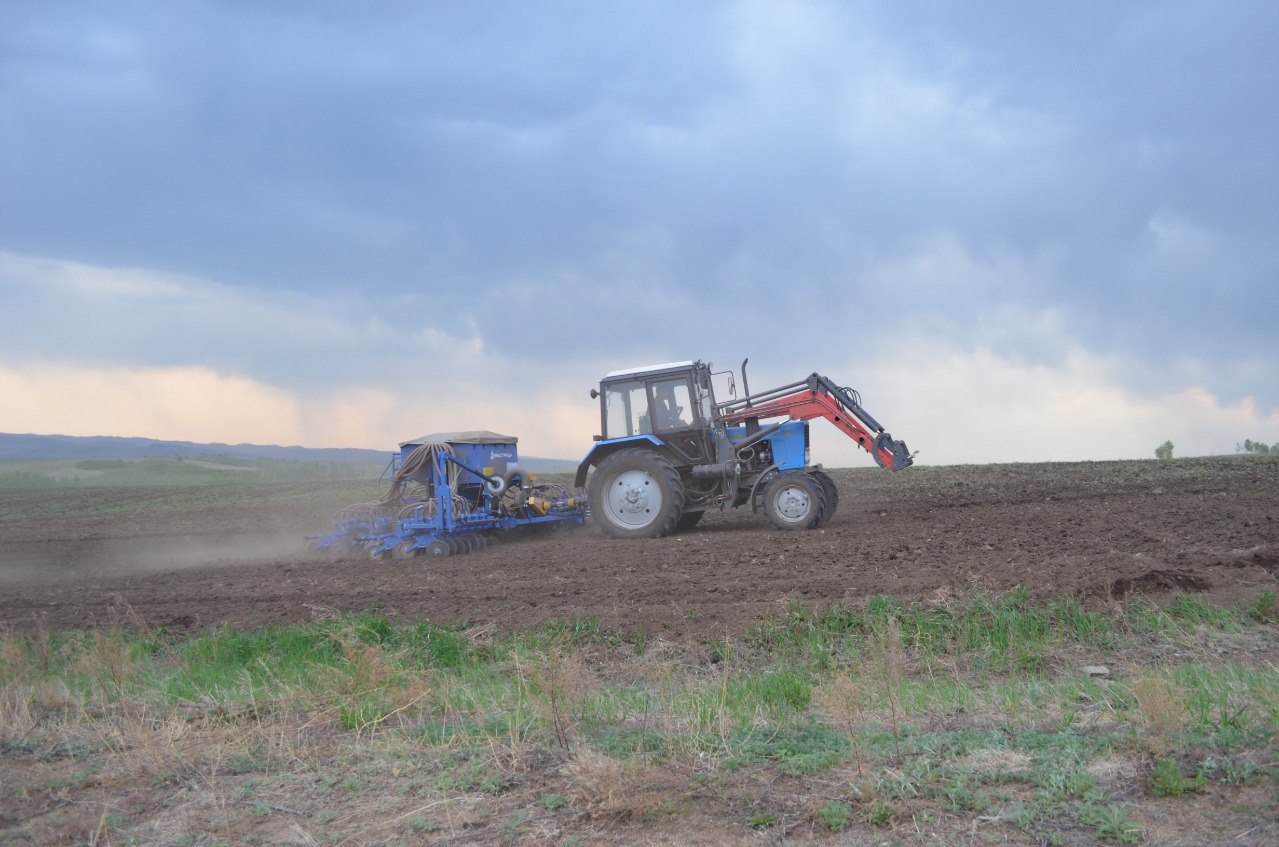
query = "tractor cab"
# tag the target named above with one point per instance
(673, 402)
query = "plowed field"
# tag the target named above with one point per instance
(1099, 531)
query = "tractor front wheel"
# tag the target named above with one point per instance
(636, 493)
(793, 500)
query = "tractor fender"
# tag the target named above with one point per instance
(604, 449)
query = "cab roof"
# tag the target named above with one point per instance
(669, 366)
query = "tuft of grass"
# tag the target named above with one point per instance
(1263, 608)
(811, 749)
(836, 816)
(1163, 705)
(1198, 611)
(558, 687)
(1112, 823)
(1167, 780)
(605, 787)
(882, 814)
(780, 692)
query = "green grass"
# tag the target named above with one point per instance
(991, 633)
(902, 710)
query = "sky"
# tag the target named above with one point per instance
(1023, 231)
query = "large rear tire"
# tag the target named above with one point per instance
(636, 493)
(793, 500)
(830, 492)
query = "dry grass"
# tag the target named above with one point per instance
(608, 788)
(159, 747)
(995, 759)
(1163, 706)
(887, 667)
(558, 686)
(372, 685)
(843, 698)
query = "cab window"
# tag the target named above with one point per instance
(626, 410)
(672, 404)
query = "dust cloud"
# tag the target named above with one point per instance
(59, 561)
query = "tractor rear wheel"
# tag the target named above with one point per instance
(793, 500)
(831, 493)
(636, 493)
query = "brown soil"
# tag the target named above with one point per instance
(1098, 531)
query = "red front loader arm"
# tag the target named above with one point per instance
(819, 397)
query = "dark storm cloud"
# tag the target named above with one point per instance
(625, 183)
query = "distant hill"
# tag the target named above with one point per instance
(29, 447)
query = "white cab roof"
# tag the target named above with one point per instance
(646, 369)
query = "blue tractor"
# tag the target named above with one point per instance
(668, 450)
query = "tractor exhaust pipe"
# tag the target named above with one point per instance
(752, 424)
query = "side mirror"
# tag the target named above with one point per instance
(724, 380)
(594, 394)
